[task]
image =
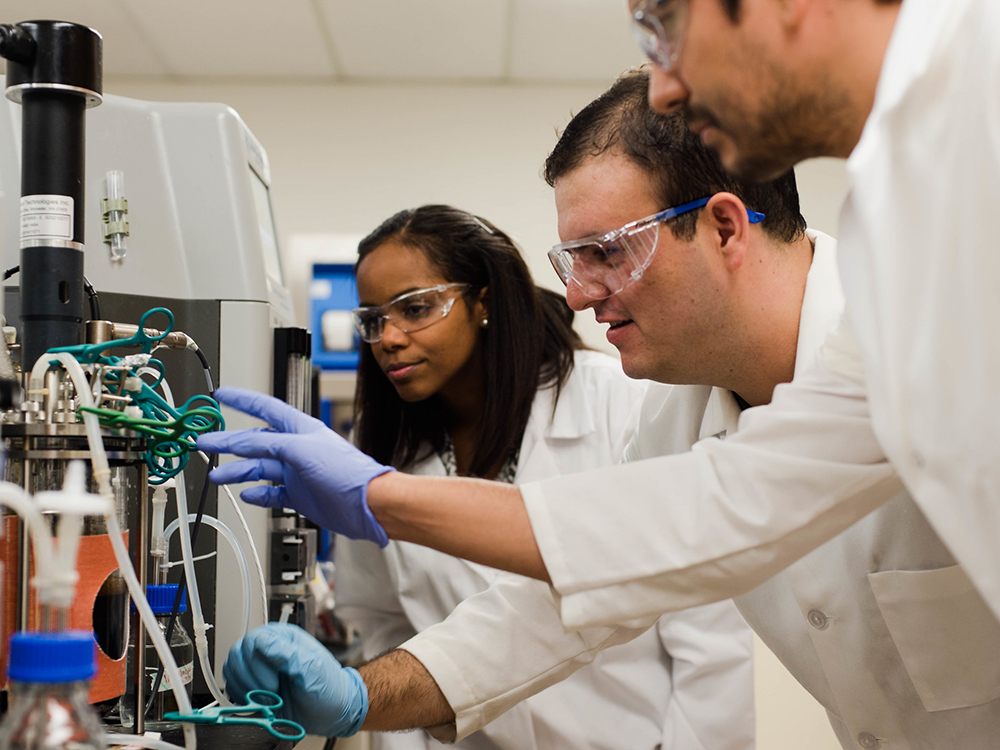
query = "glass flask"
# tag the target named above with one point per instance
(49, 679)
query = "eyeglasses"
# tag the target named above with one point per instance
(659, 26)
(602, 266)
(409, 312)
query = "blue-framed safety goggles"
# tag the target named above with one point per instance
(604, 265)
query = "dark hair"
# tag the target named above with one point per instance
(681, 167)
(529, 342)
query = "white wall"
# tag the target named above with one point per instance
(343, 158)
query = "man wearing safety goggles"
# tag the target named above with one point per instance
(601, 266)
(712, 293)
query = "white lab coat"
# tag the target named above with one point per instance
(879, 624)
(645, 694)
(920, 340)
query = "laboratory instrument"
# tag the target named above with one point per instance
(147, 269)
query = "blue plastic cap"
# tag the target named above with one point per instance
(161, 598)
(52, 658)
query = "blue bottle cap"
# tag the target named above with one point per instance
(161, 598)
(52, 658)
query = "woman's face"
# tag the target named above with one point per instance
(445, 358)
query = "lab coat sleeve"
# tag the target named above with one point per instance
(520, 648)
(668, 533)
(711, 652)
(366, 597)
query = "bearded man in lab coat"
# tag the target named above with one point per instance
(879, 624)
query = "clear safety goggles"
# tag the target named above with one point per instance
(659, 27)
(604, 265)
(408, 312)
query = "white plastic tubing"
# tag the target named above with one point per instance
(102, 474)
(253, 547)
(21, 503)
(241, 560)
(194, 598)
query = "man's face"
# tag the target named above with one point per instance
(747, 91)
(668, 325)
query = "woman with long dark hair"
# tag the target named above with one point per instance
(470, 369)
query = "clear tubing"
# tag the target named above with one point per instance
(157, 544)
(241, 559)
(69, 530)
(102, 473)
(249, 536)
(194, 598)
(197, 616)
(20, 502)
(135, 740)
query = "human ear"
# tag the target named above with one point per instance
(481, 310)
(730, 227)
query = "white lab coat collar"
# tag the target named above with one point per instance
(536, 460)
(822, 305)
(567, 423)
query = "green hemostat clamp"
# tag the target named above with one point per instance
(259, 709)
(89, 354)
(170, 440)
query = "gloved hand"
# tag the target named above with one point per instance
(324, 697)
(319, 474)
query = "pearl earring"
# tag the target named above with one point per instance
(485, 322)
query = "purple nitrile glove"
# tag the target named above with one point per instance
(318, 693)
(318, 473)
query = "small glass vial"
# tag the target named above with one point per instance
(161, 601)
(49, 679)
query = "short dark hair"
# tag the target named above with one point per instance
(681, 167)
(529, 342)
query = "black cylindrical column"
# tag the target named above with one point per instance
(55, 81)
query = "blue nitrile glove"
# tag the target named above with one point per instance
(324, 697)
(318, 473)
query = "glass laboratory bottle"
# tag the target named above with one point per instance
(49, 681)
(161, 601)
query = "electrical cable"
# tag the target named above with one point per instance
(208, 370)
(95, 305)
(183, 582)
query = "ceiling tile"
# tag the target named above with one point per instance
(464, 39)
(236, 38)
(571, 40)
(126, 50)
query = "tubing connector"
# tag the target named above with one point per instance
(72, 503)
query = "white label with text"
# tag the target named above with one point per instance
(47, 217)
